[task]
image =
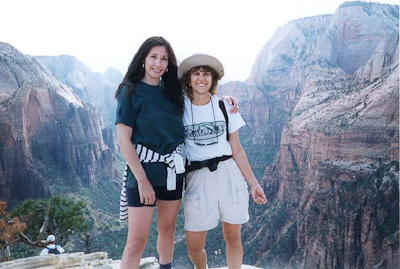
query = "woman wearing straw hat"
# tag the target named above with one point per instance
(218, 168)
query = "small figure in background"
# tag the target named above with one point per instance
(5, 251)
(52, 248)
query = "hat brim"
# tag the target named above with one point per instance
(200, 60)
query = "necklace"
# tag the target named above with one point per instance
(215, 126)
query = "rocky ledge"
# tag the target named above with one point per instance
(79, 260)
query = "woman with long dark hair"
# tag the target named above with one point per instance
(150, 134)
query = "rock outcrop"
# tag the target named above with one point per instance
(79, 260)
(267, 98)
(48, 135)
(329, 86)
(93, 88)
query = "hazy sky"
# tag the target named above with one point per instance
(107, 33)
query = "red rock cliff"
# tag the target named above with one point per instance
(48, 136)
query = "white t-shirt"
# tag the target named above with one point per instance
(205, 136)
(45, 251)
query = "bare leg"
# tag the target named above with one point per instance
(233, 241)
(166, 224)
(196, 242)
(138, 232)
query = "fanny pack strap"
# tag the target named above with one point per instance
(212, 164)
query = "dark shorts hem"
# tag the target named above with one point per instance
(161, 194)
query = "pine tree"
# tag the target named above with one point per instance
(59, 216)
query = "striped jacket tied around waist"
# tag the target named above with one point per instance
(174, 160)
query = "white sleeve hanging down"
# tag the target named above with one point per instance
(176, 165)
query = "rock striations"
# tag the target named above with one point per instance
(325, 91)
(48, 134)
(93, 88)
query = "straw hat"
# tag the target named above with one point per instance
(200, 59)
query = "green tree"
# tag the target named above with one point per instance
(59, 216)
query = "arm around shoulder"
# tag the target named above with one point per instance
(232, 101)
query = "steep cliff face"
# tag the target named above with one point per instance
(273, 88)
(93, 88)
(48, 134)
(338, 172)
(333, 187)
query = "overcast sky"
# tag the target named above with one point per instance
(107, 33)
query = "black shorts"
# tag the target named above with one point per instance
(161, 193)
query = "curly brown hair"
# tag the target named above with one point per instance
(185, 80)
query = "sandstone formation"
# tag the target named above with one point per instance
(93, 88)
(329, 87)
(48, 135)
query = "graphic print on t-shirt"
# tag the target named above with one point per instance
(205, 133)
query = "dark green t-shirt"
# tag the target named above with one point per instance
(156, 125)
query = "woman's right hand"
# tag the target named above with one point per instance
(146, 193)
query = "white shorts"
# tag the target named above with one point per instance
(213, 196)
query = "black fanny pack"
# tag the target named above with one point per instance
(212, 164)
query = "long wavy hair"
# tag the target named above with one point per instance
(185, 80)
(170, 80)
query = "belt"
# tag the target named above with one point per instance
(212, 164)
